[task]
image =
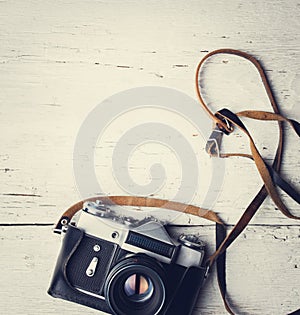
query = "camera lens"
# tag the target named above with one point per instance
(136, 286)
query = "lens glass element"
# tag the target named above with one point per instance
(138, 287)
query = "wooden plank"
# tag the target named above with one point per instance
(264, 260)
(47, 50)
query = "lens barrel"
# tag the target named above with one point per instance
(136, 286)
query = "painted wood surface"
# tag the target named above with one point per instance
(60, 60)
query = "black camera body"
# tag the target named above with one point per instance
(124, 266)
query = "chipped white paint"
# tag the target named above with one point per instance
(59, 60)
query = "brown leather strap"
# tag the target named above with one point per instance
(139, 202)
(225, 120)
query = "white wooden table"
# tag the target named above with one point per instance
(59, 60)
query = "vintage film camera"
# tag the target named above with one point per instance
(124, 266)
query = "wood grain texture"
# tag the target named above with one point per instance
(59, 60)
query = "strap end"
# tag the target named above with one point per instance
(213, 144)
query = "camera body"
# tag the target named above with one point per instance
(121, 265)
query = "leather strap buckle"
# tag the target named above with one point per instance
(224, 125)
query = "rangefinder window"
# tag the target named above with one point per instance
(150, 244)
